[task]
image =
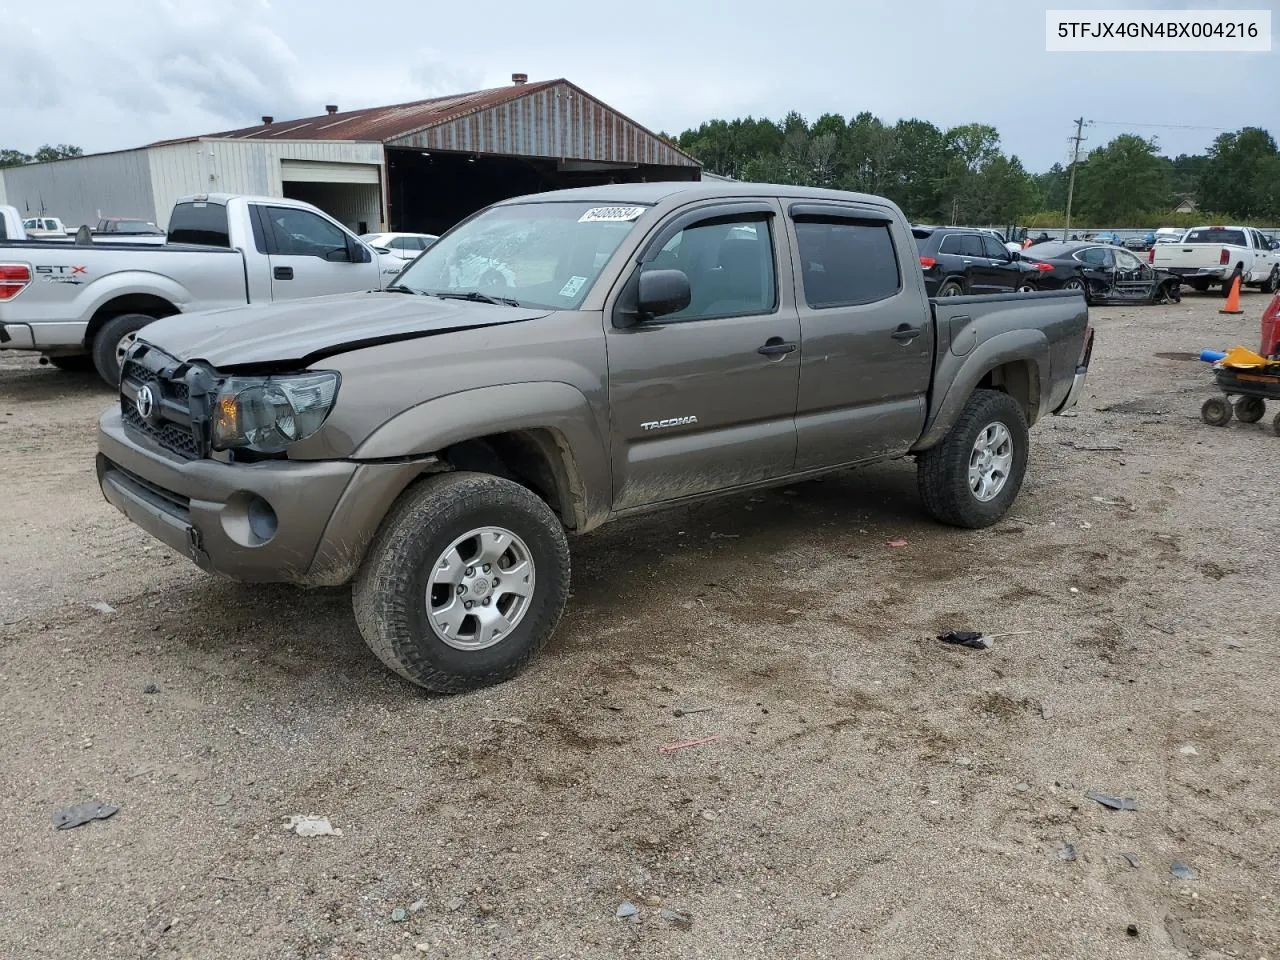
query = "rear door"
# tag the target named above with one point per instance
(309, 255)
(956, 256)
(984, 275)
(705, 399)
(866, 335)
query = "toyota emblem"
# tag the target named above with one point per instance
(145, 401)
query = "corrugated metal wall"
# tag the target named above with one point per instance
(351, 204)
(82, 189)
(241, 166)
(559, 121)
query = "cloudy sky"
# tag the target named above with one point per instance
(112, 74)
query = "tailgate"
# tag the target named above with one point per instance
(1169, 255)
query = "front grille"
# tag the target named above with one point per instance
(170, 423)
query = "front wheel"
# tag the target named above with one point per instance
(1216, 411)
(1250, 409)
(973, 476)
(465, 581)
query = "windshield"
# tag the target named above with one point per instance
(530, 254)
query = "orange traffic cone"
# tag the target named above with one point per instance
(1233, 298)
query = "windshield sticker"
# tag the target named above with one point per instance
(572, 287)
(611, 214)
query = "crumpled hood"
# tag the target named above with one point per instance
(300, 331)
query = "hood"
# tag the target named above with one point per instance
(303, 331)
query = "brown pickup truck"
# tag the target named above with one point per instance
(554, 362)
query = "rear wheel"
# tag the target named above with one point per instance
(950, 289)
(973, 476)
(464, 582)
(1025, 287)
(113, 340)
(1216, 412)
(1250, 409)
(1076, 285)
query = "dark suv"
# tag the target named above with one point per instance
(959, 260)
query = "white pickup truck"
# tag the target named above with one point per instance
(1218, 255)
(83, 305)
(11, 224)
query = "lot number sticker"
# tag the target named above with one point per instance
(572, 286)
(610, 214)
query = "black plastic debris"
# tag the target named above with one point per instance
(1131, 930)
(965, 638)
(1112, 803)
(82, 813)
(1181, 870)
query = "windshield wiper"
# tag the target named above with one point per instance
(401, 288)
(475, 296)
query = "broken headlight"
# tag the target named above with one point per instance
(266, 414)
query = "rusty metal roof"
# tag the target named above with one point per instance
(556, 119)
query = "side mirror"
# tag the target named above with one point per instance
(1014, 255)
(663, 292)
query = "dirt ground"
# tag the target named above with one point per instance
(872, 791)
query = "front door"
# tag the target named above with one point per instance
(866, 334)
(705, 399)
(1005, 274)
(309, 256)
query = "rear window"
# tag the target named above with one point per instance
(1048, 251)
(1216, 235)
(847, 262)
(204, 224)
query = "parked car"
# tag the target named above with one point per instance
(83, 305)
(434, 443)
(405, 246)
(1209, 256)
(1169, 234)
(964, 260)
(1141, 243)
(40, 227)
(129, 225)
(1103, 273)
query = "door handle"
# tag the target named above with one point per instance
(282, 273)
(906, 333)
(776, 347)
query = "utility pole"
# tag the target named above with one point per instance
(1071, 184)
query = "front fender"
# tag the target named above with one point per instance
(556, 407)
(963, 374)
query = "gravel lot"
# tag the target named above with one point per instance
(872, 793)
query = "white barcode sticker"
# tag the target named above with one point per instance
(610, 214)
(573, 286)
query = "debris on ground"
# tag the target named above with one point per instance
(1107, 503)
(724, 536)
(515, 721)
(1110, 802)
(1182, 871)
(1131, 859)
(685, 711)
(1131, 930)
(1067, 852)
(628, 910)
(150, 688)
(1103, 448)
(309, 826)
(82, 813)
(897, 543)
(1189, 751)
(673, 747)
(966, 638)
(680, 919)
(102, 607)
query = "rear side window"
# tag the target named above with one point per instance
(846, 262)
(204, 224)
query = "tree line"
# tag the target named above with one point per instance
(962, 174)
(16, 158)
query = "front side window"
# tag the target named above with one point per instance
(846, 262)
(1127, 261)
(992, 249)
(730, 266)
(301, 233)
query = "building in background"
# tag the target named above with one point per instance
(419, 166)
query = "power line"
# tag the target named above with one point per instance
(1159, 126)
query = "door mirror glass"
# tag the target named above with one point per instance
(663, 292)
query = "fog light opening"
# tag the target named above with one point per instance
(262, 519)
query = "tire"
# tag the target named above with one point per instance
(1025, 287)
(1075, 283)
(1169, 292)
(393, 591)
(951, 289)
(943, 473)
(1200, 286)
(72, 363)
(1250, 409)
(1216, 411)
(109, 343)
(1235, 275)
(1272, 283)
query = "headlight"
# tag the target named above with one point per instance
(266, 414)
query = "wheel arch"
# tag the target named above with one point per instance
(149, 304)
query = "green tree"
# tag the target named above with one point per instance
(1122, 181)
(60, 152)
(918, 169)
(1241, 175)
(13, 158)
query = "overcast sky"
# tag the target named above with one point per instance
(113, 74)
